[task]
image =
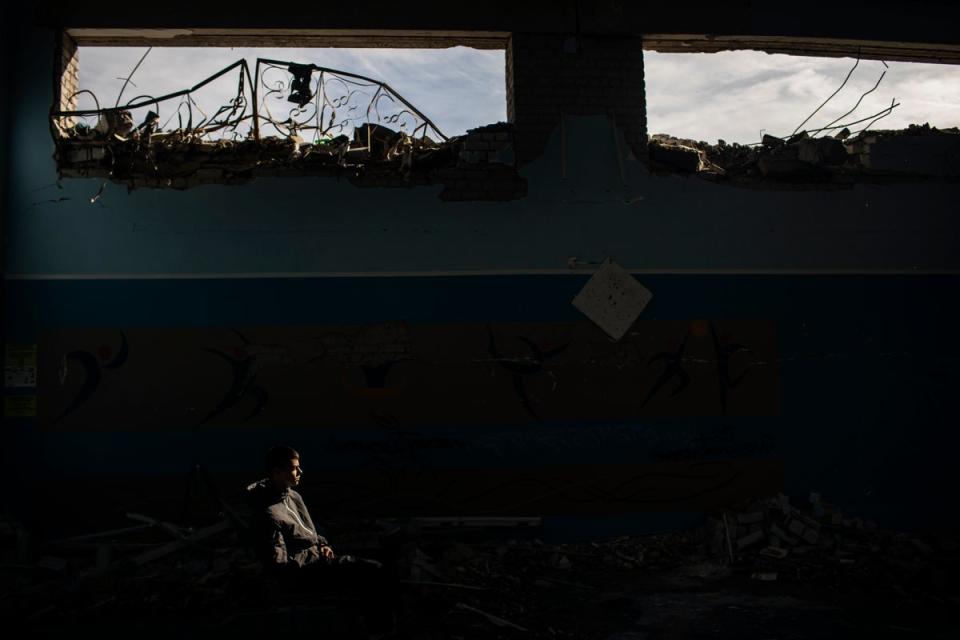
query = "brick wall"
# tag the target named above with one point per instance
(68, 73)
(485, 168)
(550, 75)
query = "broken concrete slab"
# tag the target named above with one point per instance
(783, 535)
(929, 154)
(810, 535)
(52, 563)
(796, 527)
(676, 156)
(774, 552)
(765, 576)
(822, 151)
(749, 539)
(772, 141)
(750, 518)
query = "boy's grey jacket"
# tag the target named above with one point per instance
(283, 532)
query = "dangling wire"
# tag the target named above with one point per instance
(823, 104)
(864, 95)
(127, 81)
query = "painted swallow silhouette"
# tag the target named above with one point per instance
(725, 353)
(92, 368)
(673, 369)
(521, 367)
(245, 369)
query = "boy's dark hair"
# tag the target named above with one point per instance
(279, 457)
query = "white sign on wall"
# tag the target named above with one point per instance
(613, 299)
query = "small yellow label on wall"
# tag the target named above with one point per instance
(20, 406)
(20, 366)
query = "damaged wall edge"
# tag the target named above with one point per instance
(802, 46)
(477, 166)
(308, 38)
(944, 53)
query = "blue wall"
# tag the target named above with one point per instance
(867, 413)
(860, 282)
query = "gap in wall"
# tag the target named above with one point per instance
(457, 88)
(737, 96)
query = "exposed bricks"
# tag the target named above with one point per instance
(465, 175)
(552, 75)
(485, 169)
(67, 78)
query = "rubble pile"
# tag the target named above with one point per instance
(155, 566)
(487, 577)
(918, 151)
(479, 165)
(773, 540)
(171, 158)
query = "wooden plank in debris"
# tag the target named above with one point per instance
(177, 545)
(170, 528)
(783, 535)
(479, 521)
(749, 539)
(92, 547)
(101, 534)
(498, 621)
(448, 585)
(750, 518)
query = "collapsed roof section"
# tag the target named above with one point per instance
(283, 119)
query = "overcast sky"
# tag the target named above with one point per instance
(730, 95)
(457, 88)
(734, 95)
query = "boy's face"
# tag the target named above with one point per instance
(289, 476)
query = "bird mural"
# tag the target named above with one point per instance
(522, 368)
(93, 365)
(245, 365)
(725, 353)
(674, 369)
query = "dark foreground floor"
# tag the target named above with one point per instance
(696, 601)
(766, 570)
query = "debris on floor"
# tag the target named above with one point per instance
(496, 577)
(815, 542)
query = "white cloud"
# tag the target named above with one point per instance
(734, 95)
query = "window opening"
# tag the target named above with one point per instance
(277, 116)
(749, 114)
